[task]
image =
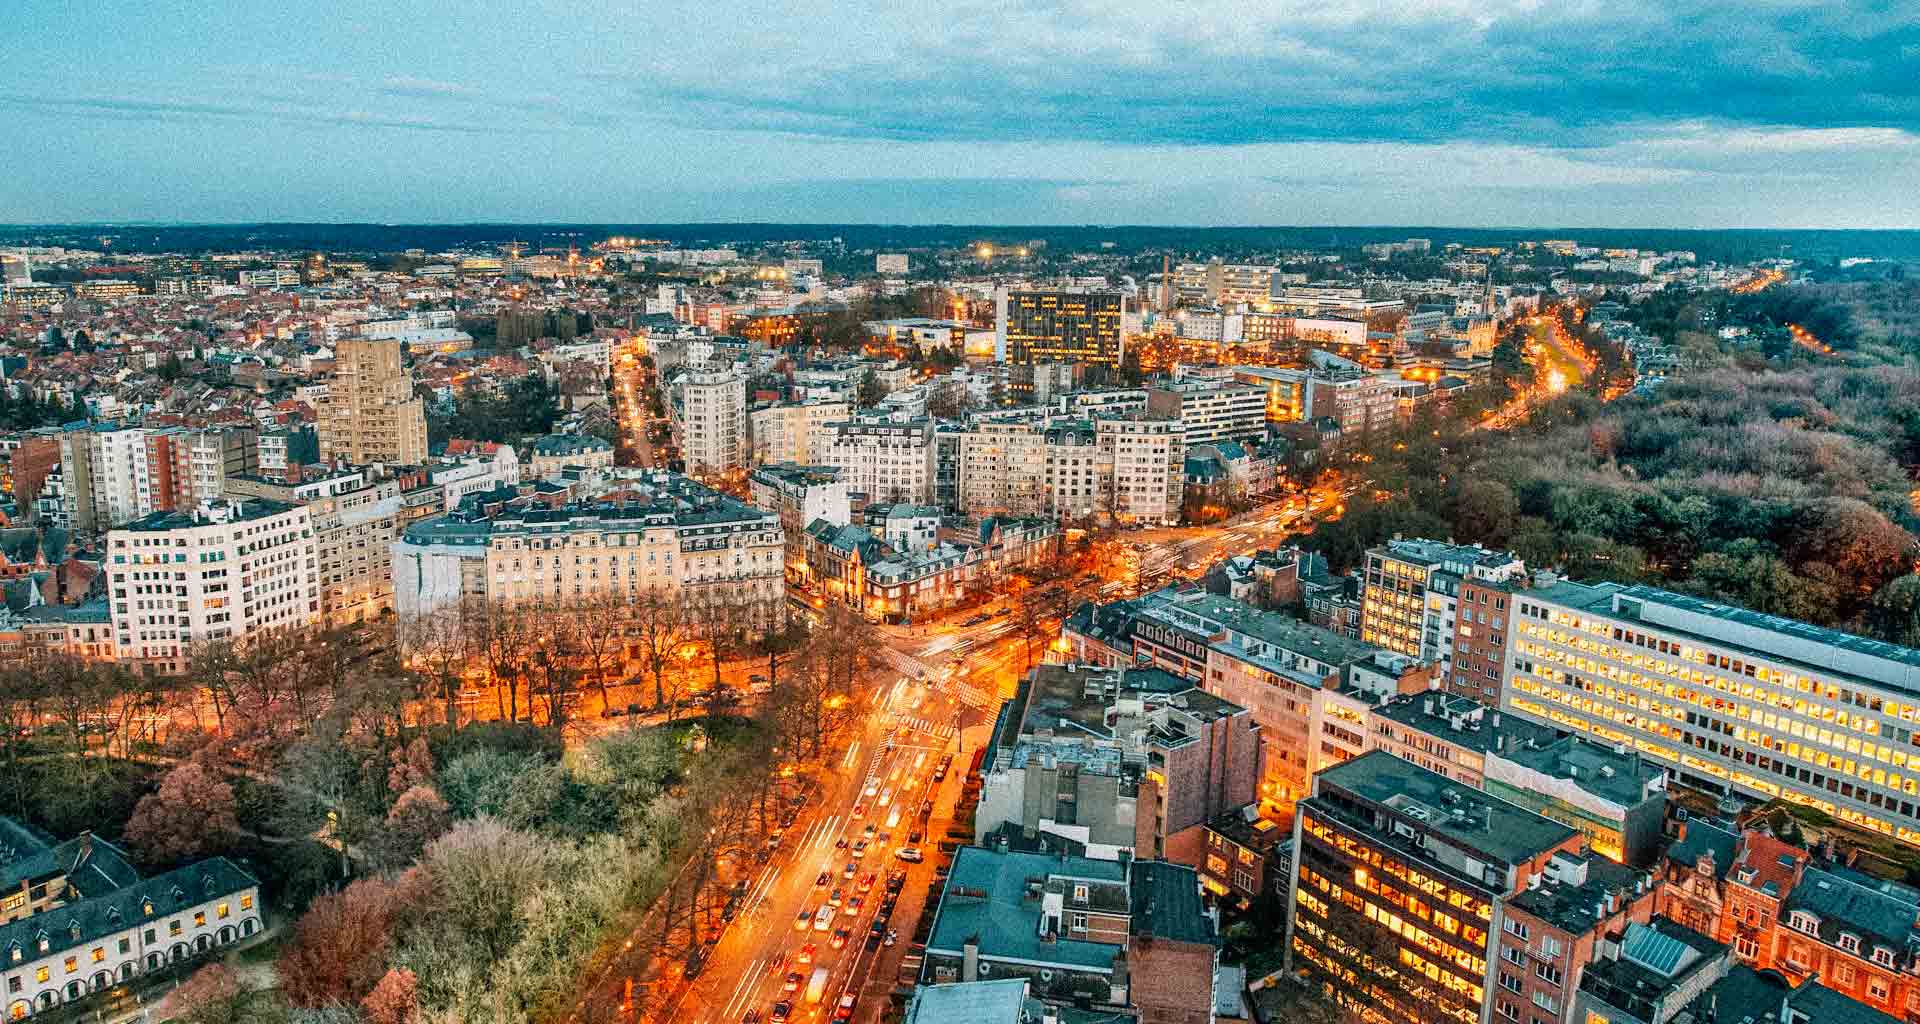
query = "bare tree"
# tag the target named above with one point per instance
(659, 628)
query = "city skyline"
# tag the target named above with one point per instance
(1513, 115)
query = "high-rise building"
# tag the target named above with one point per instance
(370, 413)
(1410, 596)
(1059, 325)
(1402, 884)
(223, 571)
(797, 432)
(1148, 460)
(1731, 700)
(710, 416)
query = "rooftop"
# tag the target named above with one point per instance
(1000, 1001)
(1166, 903)
(1464, 816)
(212, 514)
(994, 899)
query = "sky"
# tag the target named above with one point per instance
(1599, 113)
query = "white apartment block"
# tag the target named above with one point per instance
(710, 419)
(797, 432)
(223, 571)
(1148, 457)
(884, 459)
(1055, 469)
(681, 540)
(1212, 411)
(1730, 700)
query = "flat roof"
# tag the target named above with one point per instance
(987, 898)
(1500, 830)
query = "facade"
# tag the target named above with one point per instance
(896, 575)
(188, 467)
(679, 538)
(370, 413)
(78, 920)
(799, 495)
(1211, 411)
(1410, 600)
(1148, 457)
(1059, 326)
(555, 452)
(1396, 865)
(1246, 855)
(1731, 701)
(795, 432)
(709, 418)
(1117, 761)
(884, 460)
(220, 572)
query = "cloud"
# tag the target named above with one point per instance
(122, 106)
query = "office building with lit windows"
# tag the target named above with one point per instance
(1403, 879)
(1730, 700)
(1058, 326)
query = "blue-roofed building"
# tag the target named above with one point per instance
(76, 918)
(1078, 931)
(999, 1001)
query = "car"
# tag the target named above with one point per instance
(793, 981)
(782, 1012)
(871, 830)
(854, 903)
(859, 811)
(896, 881)
(859, 848)
(844, 1009)
(840, 937)
(750, 1017)
(866, 882)
(915, 836)
(804, 921)
(805, 955)
(821, 882)
(696, 962)
(851, 870)
(823, 920)
(910, 854)
(834, 898)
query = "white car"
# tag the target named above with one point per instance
(823, 920)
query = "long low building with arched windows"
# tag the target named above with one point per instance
(76, 918)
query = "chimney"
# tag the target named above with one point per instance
(970, 959)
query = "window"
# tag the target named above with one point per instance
(173, 927)
(1079, 893)
(200, 919)
(72, 965)
(99, 954)
(1745, 947)
(1805, 922)
(1877, 988)
(1516, 929)
(42, 975)
(222, 911)
(1849, 942)
(1509, 982)
(126, 946)
(1546, 1002)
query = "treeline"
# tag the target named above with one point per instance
(1782, 490)
(522, 408)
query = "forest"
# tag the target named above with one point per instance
(1782, 484)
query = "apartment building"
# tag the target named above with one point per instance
(1394, 865)
(186, 467)
(795, 432)
(800, 495)
(356, 519)
(1276, 667)
(223, 571)
(102, 467)
(1148, 457)
(554, 453)
(1211, 411)
(677, 537)
(884, 460)
(905, 570)
(708, 409)
(370, 413)
(1118, 762)
(1215, 283)
(79, 920)
(1410, 599)
(1730, 700)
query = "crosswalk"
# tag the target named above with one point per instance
(938, 730)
